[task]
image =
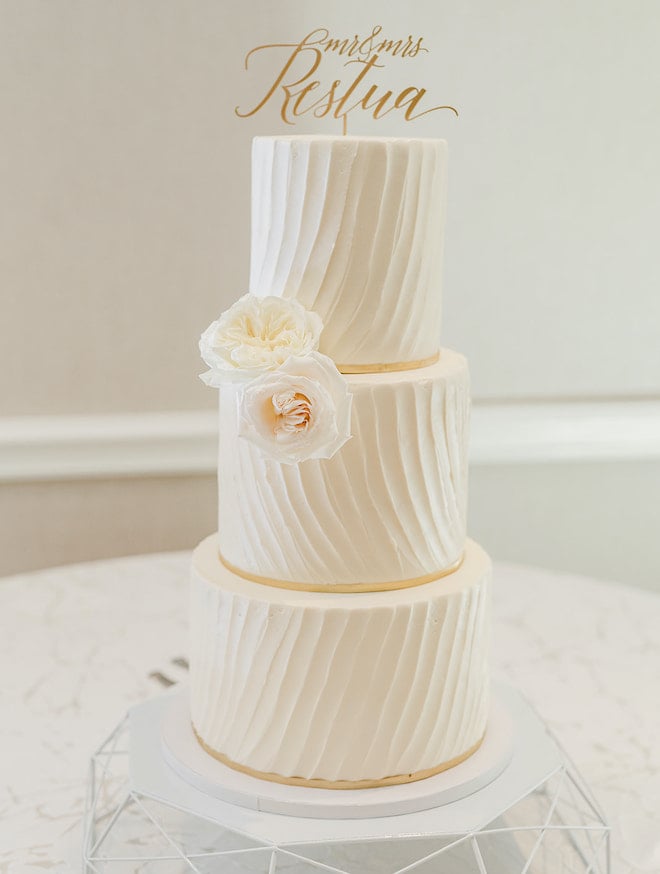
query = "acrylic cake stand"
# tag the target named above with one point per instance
(157, 803)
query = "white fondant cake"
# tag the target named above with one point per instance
(339, 617)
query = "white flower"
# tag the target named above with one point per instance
(300, 411)
(257, 334)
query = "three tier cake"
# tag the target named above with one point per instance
(339, 617)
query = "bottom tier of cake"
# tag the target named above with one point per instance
(339, 690)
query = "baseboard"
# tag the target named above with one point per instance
(184, 443)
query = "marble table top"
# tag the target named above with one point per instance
(80, 644)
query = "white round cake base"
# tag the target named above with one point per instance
(187, 758)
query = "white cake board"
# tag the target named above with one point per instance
(200, 770)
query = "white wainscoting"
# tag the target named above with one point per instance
(180, 443)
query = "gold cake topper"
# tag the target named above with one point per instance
(299, 88)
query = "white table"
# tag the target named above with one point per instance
(80, 644)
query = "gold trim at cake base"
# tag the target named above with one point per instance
(319, 783)
(391, 367)
(342, 588)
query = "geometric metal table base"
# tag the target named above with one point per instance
(537, 817)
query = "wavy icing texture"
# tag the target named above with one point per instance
(390, 505)
(339, 687)
(353, 228)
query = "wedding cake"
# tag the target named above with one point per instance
(340, 616)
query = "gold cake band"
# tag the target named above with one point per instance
(342, 588)
(320, 783)
(388, 368)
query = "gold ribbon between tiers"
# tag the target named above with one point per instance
(342, 588)
(388, 368)
(320, 783)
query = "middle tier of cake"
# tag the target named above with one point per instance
(387, 511)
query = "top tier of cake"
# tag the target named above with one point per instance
(352, 227)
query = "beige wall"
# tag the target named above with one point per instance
(53, 523)
(600, 519)
(124, 180)
(118, 212)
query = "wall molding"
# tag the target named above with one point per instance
(565, 431)
(37, 448)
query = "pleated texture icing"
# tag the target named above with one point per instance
(389, 506)
(353, 229)
(339, 687)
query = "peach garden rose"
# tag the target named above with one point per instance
(300, 411)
